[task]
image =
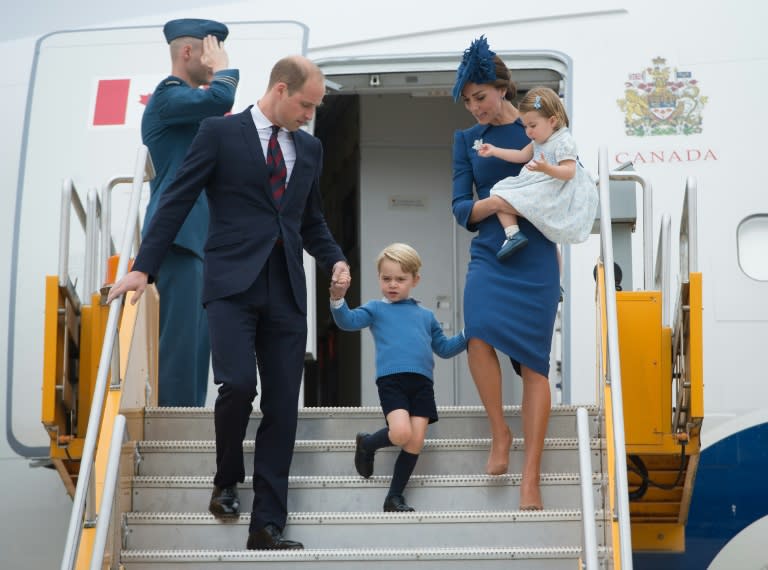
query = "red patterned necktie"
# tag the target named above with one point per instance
(276, 166)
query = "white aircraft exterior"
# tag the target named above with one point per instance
(602, 55)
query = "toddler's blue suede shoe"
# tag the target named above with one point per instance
(511, 245)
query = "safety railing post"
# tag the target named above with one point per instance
(587, 500)
(614, 366)
(108, 495)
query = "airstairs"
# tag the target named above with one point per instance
(141, 478)
(463, 517)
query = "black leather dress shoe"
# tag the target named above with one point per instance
(396, 504)
(271, 538)
(225, 504)
(363, 458)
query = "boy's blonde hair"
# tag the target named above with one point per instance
(546, 103)
(403, 254)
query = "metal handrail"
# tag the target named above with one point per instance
(108, 495)
(89, 218)
(663, 274)
(623, 175)
(587, 500)
(107, 245)
(689, 245)
(69, 199)
(613, 376)
(142, 168)
(92, 223)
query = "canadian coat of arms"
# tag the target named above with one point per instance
(661, 101)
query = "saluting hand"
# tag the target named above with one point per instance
(214, 54)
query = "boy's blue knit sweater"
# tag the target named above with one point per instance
(405, 334)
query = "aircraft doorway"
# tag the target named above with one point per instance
(387, 139)
(386, 178)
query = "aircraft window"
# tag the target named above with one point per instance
(752, 241)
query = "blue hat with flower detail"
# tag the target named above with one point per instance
(477, 66)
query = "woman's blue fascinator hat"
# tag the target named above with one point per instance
(477, 66)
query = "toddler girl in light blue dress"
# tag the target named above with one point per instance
(553, 191)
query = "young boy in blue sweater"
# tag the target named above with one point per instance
(405, 334)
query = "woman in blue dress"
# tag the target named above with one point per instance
(509, 305)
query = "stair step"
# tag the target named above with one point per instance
(355, 494)
(473, 519)
(345, 422)
(149, 531)
(336, 457)
(479, 557)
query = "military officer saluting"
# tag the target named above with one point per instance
(170, 122)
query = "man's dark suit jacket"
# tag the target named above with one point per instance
(227, 161)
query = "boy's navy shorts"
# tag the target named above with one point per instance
(408, 391)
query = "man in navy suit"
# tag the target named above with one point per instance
(254, 288)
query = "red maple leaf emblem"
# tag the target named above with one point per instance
(144, 98)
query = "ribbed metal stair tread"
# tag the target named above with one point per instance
(349, 444)
(366, 411)
(296, 481)
(374, 555)
(377, 516)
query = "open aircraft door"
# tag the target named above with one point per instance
(407, 119)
